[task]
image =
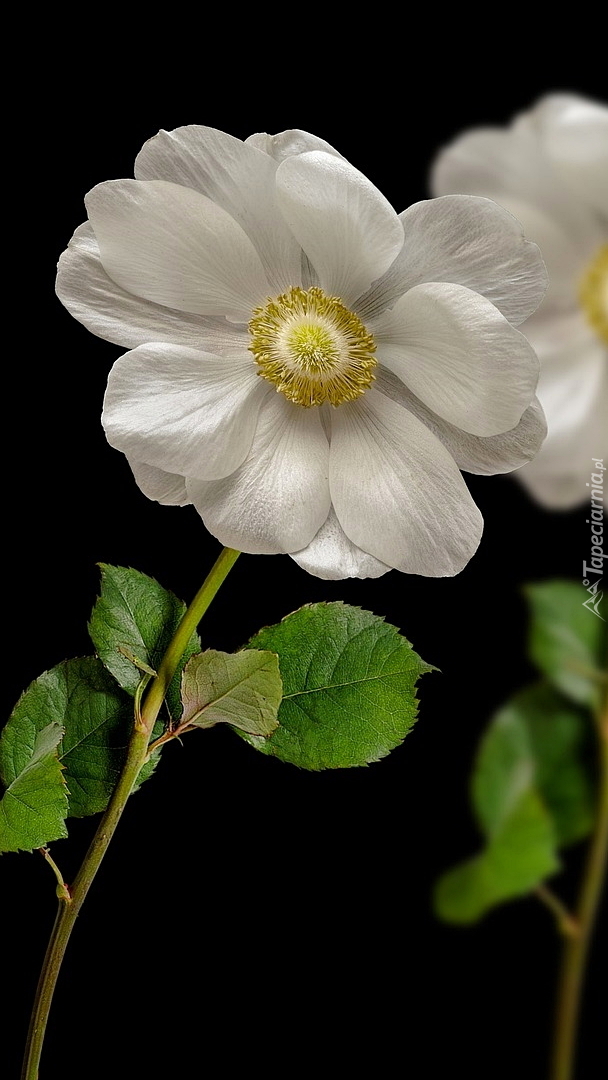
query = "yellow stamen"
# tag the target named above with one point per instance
(312, 348)
(593, 293)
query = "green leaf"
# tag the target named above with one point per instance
(503, 771)
(530, 790)
(557, 733)
(531, 795)
(96, 718)
(135, 617)
(567, 641)
(243, 689)
(35, 803)
(518, 857)
(535, 741)
(349, 687)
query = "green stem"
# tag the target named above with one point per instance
(63, 891)
(565, 922)
(136, 757)
(577, 948)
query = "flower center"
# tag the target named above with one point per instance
(312, 348)
(593, 293)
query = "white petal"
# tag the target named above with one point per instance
(236, 176)
(289, 144)
(573, 388)
(574, 135)
(160, 486)
(558, 477)
(468, 241)
(279, 497)
(513, 164)
(181, 410)
(565, 259)
(332, 556)
(172, 246)
(349, 231)
(397, 492)
(108, 311)
(485, 456)
(459, 355)
(573, 361)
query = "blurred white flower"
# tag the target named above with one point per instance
(550, 169)
(308, 368)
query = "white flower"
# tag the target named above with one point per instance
(308, 368)
(550, 169)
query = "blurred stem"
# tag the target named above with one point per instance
(137, 753)
(576, 949)
(566, 923)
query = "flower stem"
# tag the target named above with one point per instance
(136, 756)
(576, 948)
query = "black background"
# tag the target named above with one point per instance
(249, 914)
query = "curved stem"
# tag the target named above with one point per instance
(62, 890)
(136, 756)
(68, 911)
(577, 948)
(565, 922)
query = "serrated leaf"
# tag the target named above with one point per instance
(243, 689)
(135, 616)
(567, 642)
(349, 687)
(35, 804)
(518, 857)
(139, 664)
(96, 718)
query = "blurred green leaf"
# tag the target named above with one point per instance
(558, 733)
(135, 617)
(349, 687)
(35, 803)
(503, 771)
(531, 795)
(243, 689)
(519, 855)
(567, 642)
(535, 741)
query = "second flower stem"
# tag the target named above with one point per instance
(577, 948)
(69, 907)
